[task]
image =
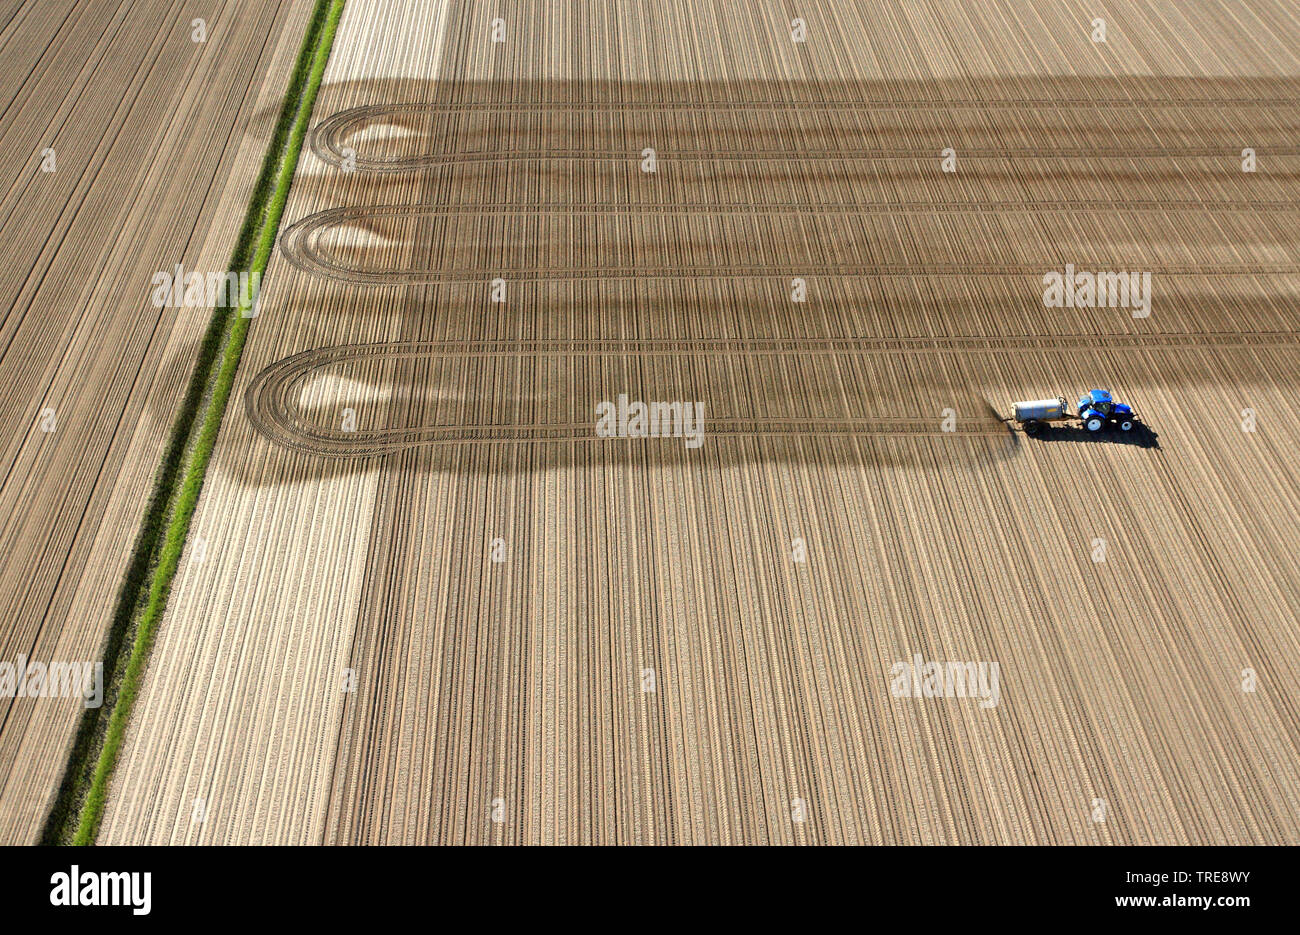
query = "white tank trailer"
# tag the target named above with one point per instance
(1035, 413)
(1040, 410)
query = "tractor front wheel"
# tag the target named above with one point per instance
(1126, 425)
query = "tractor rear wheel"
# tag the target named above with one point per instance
(1094, 424)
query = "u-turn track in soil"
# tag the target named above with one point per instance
(425, 126)
(271, 408)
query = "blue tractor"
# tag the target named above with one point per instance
(1098, 411)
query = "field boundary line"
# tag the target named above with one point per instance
(195, 432)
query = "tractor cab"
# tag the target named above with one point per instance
(1099, 410)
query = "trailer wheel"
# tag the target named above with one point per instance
(1094, 424)
(1126, 425)
(1033, 427)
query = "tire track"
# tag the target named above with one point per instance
(269, 408)
(294, 434)
(299, 245)
(327, 137)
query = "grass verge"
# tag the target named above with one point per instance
(156, 556)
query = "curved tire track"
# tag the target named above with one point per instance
(326, 139)
(269, 407)
(299, 244)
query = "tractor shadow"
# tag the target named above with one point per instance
(1140, 436)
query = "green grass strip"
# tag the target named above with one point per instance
(186, 500)
(60, 823)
